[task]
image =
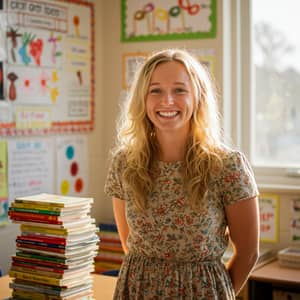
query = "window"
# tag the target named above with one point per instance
(265, 53)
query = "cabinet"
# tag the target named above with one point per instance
(271, 277)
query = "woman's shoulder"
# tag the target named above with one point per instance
(231, 155)
(117, 157)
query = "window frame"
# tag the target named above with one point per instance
(238, 87)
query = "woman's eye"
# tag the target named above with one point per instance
(154, 91)
(180, 91)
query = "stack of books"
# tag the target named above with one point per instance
(55, 250)
(289, 257)
(110, 255)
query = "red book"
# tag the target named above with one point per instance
(40, 262)
(55, 250)
(32, 217)
(40, 268)
(42, 239)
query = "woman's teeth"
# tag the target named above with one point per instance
(168, 114)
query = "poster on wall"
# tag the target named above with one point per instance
(167, 19)
(130, 64)
(30, 167)
(269, 218)
(295, 221)
(3, 184)
(72, 165)
(48, 76)
(131, 61)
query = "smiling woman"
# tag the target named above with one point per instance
(170, 101)
(176, 189)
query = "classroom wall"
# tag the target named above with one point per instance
(95, 143)
(108, 78)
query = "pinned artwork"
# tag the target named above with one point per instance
(3, 184)
(130, 64)
(269, 218)
(295, 221)
(48, 64)
(30, 167)
(168, 19)
(72, 155)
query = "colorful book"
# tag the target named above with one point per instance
(54, 200)
(69, 282)
(49, 290)
(45, 218)
(49, 210)
(48, 229)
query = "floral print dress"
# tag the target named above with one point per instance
(175, 252)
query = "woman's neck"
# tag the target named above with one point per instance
(172, 147)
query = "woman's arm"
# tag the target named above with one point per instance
(243, 224)
(120, 217)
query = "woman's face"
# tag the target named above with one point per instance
(170, 99)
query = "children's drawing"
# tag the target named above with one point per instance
(48, 55)
(168, 19)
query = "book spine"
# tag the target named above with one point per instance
(34, 278)
(42, 239)
(111, 227)
(35, 206)
(41, 203)
(34, 210)
(40, 244)
(18, 294)
(39, 262)
(31, 246)
(41, 257)
(36, 272)
(33, 216)
(58, 231)
(35, 220)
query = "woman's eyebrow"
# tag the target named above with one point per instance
(176, 82)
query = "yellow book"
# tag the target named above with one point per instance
(48, 280)
(35, 278)
(47, 230)
(31, 295)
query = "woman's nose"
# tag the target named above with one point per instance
(167, 99)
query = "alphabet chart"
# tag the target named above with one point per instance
(168, 19)
(46, 66)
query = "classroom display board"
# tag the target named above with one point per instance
(46, 66)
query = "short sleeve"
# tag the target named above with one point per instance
(113, 185)
(238, 182)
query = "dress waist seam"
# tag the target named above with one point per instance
(133, 254)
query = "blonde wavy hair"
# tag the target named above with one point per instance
(203, 155)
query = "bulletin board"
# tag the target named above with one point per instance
(46, 66)
(168, 20)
